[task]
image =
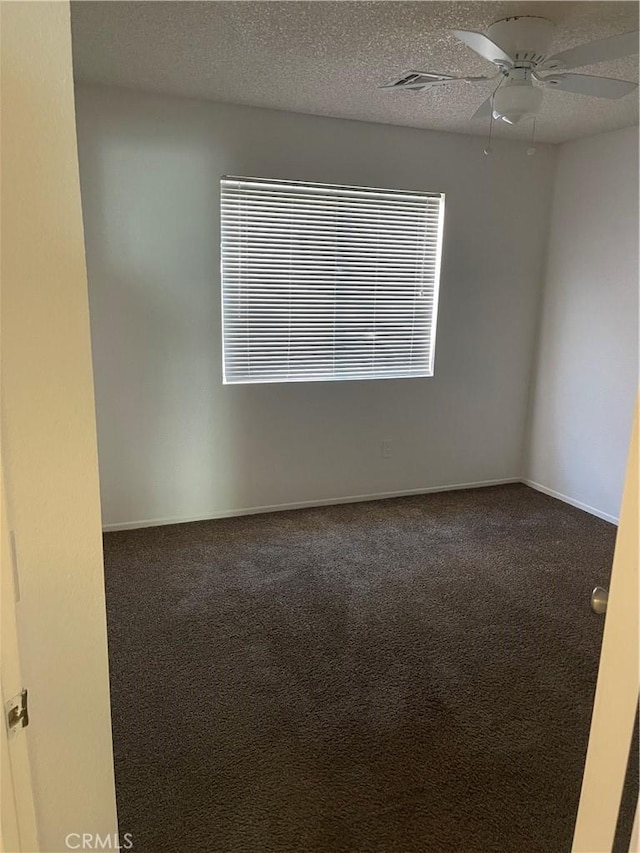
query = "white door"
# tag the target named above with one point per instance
(49, 457)
(18, 816)
(616, 697)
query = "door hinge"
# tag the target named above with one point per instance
(17, 713)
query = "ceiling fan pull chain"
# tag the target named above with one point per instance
(487, 150)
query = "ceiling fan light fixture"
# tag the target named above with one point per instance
(515, 100)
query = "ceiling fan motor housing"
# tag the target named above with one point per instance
(526, 38)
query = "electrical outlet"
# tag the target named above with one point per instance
(386, 448)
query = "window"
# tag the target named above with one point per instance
(327, 282)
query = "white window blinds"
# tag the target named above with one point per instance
(327, 282)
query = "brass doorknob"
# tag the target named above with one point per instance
(599, 599)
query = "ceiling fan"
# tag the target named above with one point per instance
(518, 48)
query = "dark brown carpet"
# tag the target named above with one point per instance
(406, 675)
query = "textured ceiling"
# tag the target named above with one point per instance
(328, 58)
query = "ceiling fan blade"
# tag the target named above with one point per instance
(585, 84)
(484, 46)
(482, 79)
(484, 110)
(614, 47)
(418, 80)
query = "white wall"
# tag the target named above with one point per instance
(49, 453)
(587, 370)
(174, 442)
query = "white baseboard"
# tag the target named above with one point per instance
(349, 499)
(578, 504)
